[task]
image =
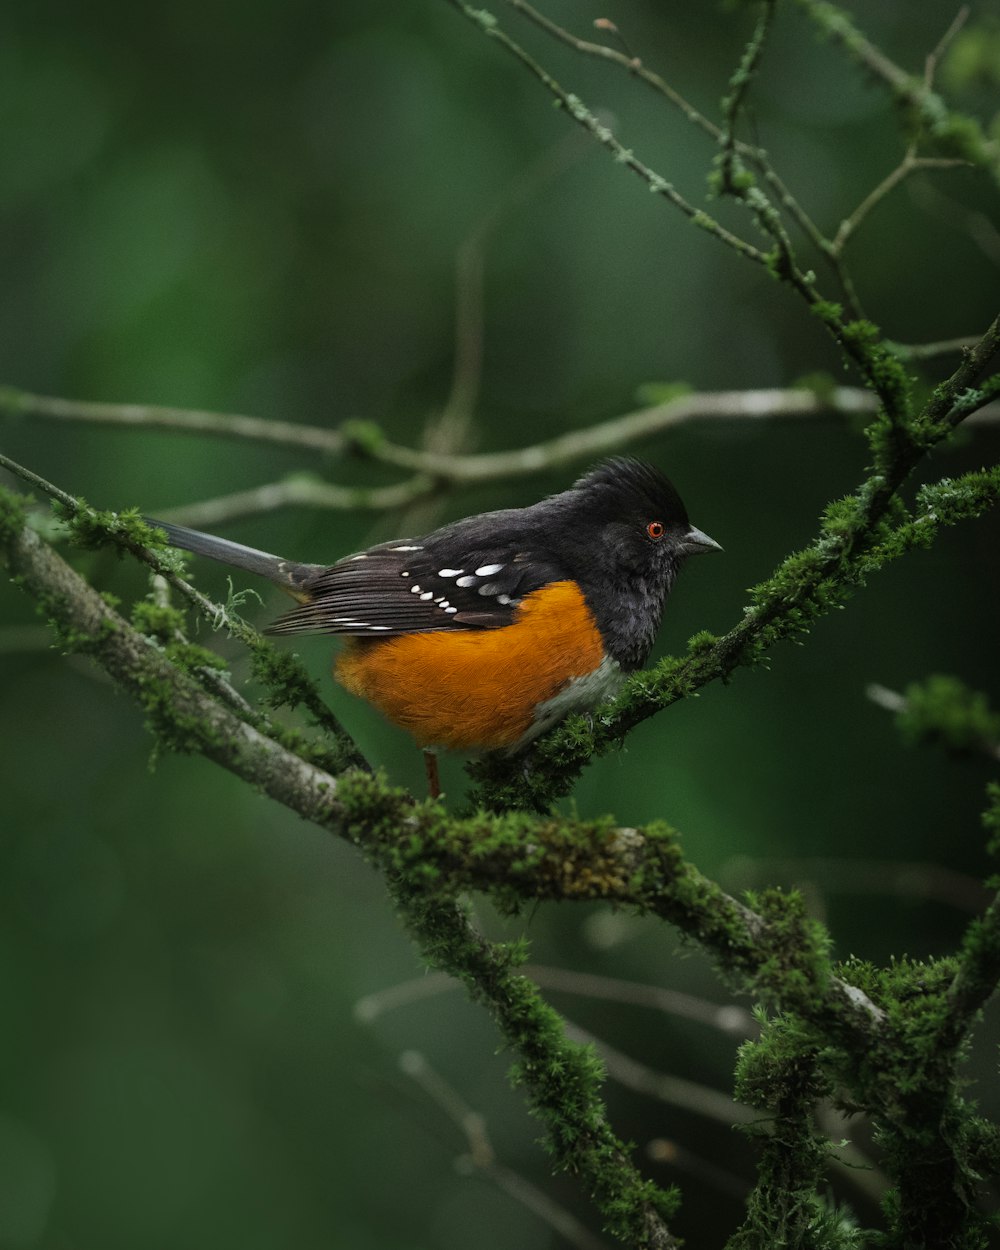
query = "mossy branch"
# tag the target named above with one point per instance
(871, 1026)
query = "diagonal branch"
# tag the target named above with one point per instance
(954, 132)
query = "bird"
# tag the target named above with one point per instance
(488, 631)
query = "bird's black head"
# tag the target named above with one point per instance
(637, 536)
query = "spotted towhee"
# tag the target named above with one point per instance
(486, 632)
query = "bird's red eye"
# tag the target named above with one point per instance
(655, 529)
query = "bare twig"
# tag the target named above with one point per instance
(481, 1155)
(675, 1091)
(725, 1017)
(754, 155)
(17, 403)
(600, 132)
(432, 468)
(911, 163)
(712, 1104)
(619, 432)
(301, 491)
(934, 56)
(929, 351)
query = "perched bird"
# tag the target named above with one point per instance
(488, 631)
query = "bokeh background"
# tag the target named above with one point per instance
(258, 208)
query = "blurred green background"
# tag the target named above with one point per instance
(258, 208)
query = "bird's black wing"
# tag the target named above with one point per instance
(457, 578)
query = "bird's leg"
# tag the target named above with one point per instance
(431, 768)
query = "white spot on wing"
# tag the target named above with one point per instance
(362, 556)
(406, 548)
(428, 594)
(487, 570)
(404, 573)
(414, 589)
(449, 610)
(490, 588)
(465, 581)
(380, 627)
(504, 599)
(448, 572)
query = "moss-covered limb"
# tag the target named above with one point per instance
(773, 952)
(281, 673)
(562, 1080)
(951, 132)
(15, 402)
(909, 1081)
(961, 394)
(946, 502)
(782, 1075)
(182, 715)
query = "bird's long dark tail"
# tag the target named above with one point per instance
(287, 574)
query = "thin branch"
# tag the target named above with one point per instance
(672, 1154)
(619, 432)
(911, 163)
(432, 469)
(590, 122)
(978, 975)
(929, 351)
(934, 57)
(724, 1017)
(753, 155)
(482, 1157)
(300, 491)
(18, 403)
(630, 63)
(674, 1091)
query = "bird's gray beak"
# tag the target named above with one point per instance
(695, 543)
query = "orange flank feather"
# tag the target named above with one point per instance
(477, 689)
